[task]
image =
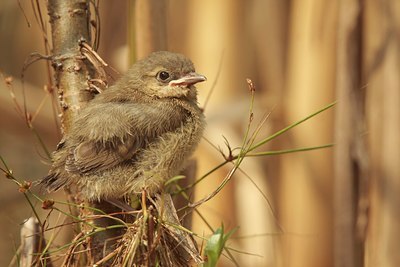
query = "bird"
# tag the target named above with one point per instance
(134, 136)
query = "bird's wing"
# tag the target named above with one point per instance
(116, 138)
(89, 156)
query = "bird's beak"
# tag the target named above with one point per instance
(189, 79)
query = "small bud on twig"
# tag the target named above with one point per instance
(251, 85)
(47, 204)
(25, 186)
(8, 174)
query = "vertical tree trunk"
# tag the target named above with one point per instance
(306, 179)
(350, 173)
(148, 27)
(367, 143)
(70, 25)
(382, 68)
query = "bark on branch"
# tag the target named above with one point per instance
(70, 26)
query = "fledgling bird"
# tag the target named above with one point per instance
(135, 135)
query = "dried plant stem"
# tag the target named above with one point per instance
(249, 146)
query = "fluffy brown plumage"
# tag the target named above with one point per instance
(134, 136)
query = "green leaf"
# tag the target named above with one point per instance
(215, 245)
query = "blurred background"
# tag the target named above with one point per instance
(330, 207)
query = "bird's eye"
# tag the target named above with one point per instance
(163, 76)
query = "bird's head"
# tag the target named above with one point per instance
(165, 75)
